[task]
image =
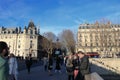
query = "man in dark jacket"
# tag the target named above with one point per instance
(84, 67)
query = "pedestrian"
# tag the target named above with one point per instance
(28, 62)
(4, 67)
(58, 64)
(45, 62)
(76, 64)
(13, 66)
(50, 64)
(69, 67)
(84, 67)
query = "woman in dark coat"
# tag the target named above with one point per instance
(58, 62)
(50, 64)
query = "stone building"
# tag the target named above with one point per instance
(101, 38)
(22, 42)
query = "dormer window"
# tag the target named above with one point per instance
(13, 32)
(8, 32)
(4, 32)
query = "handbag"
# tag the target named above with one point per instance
(69, 69)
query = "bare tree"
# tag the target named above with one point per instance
(105, 37)
(67, 39)
(48, 41)
(50, 36)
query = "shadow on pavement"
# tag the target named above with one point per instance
(22, 65)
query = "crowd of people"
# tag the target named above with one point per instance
(77, 65)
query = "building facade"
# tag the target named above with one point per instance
(21, 43)
(101, 38)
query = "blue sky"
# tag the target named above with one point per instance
(56, 15)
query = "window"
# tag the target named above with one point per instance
(18, 46)
(8, 32)
(96, 44)
(31, 32)
(30, 45)
(110, 49)
(13, 32)
(91, 44)
(31, 37)
(4, 32)
(80, 35)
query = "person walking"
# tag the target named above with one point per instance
(69, 67)
(58, 64)
(4, 67)
(84, 67)
(13, 66)
(45, 62)
(28, 62)
(50, 64)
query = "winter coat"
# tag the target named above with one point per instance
(84, 68)
(4, 68)
(45, 61)
(69, 67)
(13, 66)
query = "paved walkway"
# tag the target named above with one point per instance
(38, 73)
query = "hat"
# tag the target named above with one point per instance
(80, 52)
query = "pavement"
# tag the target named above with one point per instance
(38, 73)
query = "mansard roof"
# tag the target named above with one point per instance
(87, 26)
(31, 24)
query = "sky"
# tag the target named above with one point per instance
(57, 15)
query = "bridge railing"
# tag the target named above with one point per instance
(101, 63)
